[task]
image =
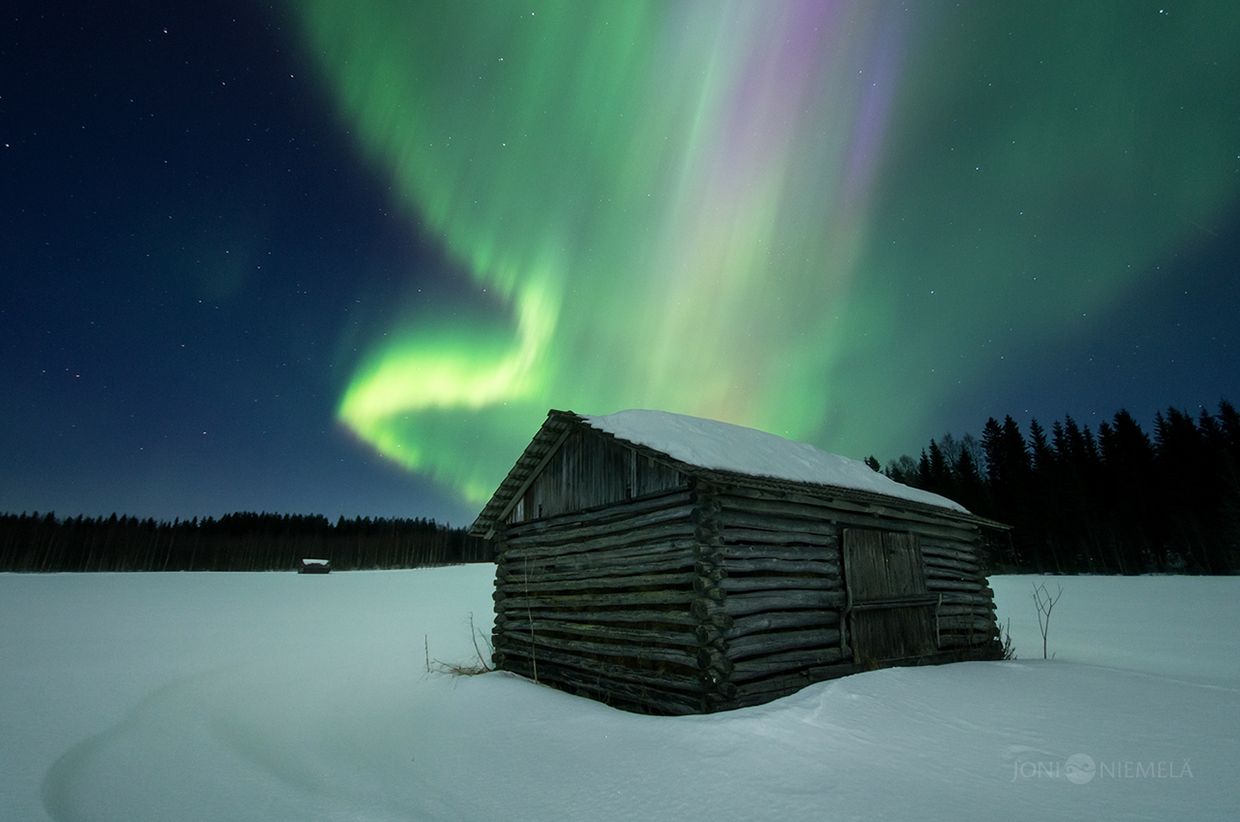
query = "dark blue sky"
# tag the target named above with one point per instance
(187, 243)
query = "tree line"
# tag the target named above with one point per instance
(1115, 500)
(242, 541)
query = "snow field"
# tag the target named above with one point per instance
(279, 696)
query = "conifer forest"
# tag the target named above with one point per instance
(1116, 500)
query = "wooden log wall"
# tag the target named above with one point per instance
(784, 586)
(785, 593)
(709, 597)
(614, 604)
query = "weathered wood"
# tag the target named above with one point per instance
(770, 643)
(606, 512)
(779, 583)
(939, 584)
(934, 566)
(608, 600)
(965, 598)
(506, 514)
(750, 536)
(793, 553)
(763, 503)
(709, 635)
(966, 641)
(606, 548)
(966, 547)
(618, 561)
(607, 519)
(685, 657)
(676, 616)
(671, 580)
(966, 623)
(886, 635)
(660, 635)
(660, 647)
(665, 554)
(891, 614)
(942, 531)
(880, 565)
(942, 560)
(780, 620)
(553, 665)
(786, 662)
(742, 604)
(734, 518)
(658, 677)
(643, 536)
(783, 566)
(864, 514)
(587, 469)
(706, 525)
(603, 515)
(933, 571)
(966, 610)
(709, 554)
(779, 533)
(650, 537)
(716, 665)
(617, 573)
(820, 506)
(713, 594)
(934, 578)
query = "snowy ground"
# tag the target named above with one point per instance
(286, 697)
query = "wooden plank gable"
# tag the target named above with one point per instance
(588, 470)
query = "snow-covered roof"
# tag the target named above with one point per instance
(722, 446)
(711, 450)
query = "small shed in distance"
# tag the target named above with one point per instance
(670, 564)
(315, 566)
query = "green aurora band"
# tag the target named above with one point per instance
(821, 219)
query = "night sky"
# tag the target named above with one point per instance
(341, 257)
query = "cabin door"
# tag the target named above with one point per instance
(890, 614)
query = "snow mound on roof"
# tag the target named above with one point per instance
(726, 447)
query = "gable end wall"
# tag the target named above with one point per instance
(590, 470)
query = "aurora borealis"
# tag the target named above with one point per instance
(751, 211)
(273, 243)
(631, 189)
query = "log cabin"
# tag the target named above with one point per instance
(673, 565)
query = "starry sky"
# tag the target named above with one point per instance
(341, 258)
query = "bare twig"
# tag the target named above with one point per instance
(481, 666)
(1009, 650)
(1045, 603)
(474, 633)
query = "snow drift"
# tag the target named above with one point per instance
(281, 696)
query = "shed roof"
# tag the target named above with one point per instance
(714, 450)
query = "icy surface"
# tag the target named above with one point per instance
(292, 697)
(727, 447)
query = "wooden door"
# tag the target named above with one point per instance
(890, 614)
